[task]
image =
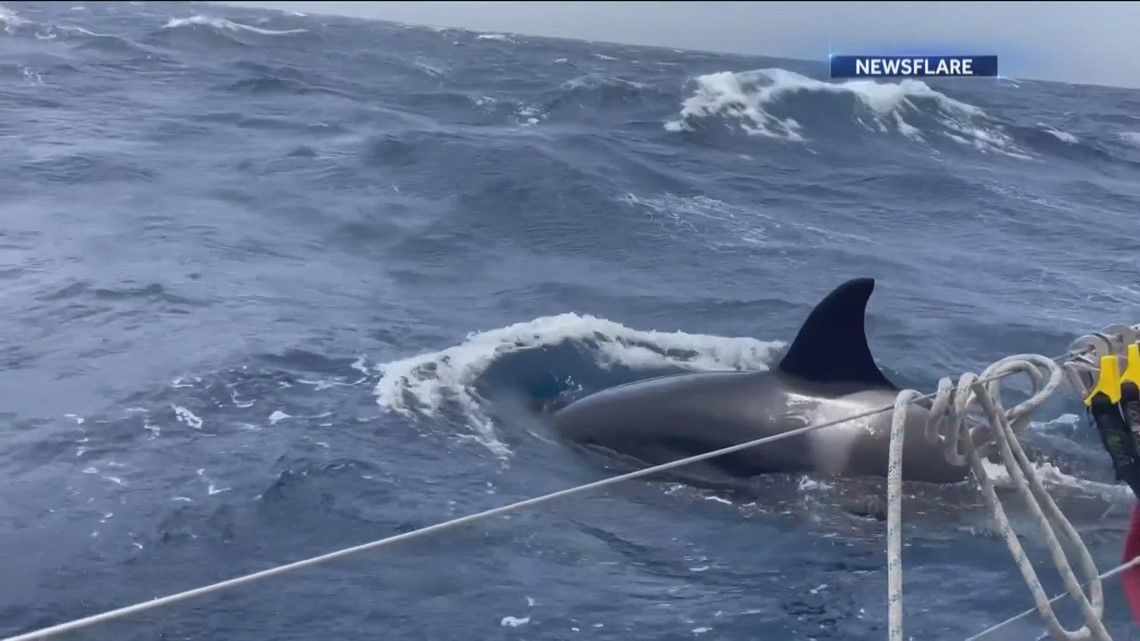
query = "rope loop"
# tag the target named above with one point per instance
(956, 423)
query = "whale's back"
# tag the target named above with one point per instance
(667, 418)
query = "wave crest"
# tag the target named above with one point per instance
(108, 43)
(781, 104)
(10, 20)
(431, 383)
(226, 25)
(494, 37)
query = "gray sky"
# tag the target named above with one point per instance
(1089, 42)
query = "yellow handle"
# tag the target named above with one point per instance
(1109, 381)
(1132, 372)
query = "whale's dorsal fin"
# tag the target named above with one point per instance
(831, 346)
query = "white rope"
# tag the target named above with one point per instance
(950, 409)
(157, 602)
(894, 515)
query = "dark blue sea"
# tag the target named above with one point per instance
(275, 284)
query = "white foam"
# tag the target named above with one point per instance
(749, 96)
(497, 37)
(186, 416)
(734, 94)
(982, 139)
(361, 366)
(905, 129)
(1051, 476)
(721, 225)
(1063, 136)
(278, 416)
(86, 32)
(602, 56)
(1066, 421)
(239, 403)
(529, 115)
(228, 25)
(1131, 137)
(809, 484)
(180, 382)
(325, 383)
(593, 81)
(428, 383)
(434, 71)
(514, 622)
(10, 20)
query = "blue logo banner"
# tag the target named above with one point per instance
(912, 66)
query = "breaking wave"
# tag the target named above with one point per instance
(781, 104)
(432, 383)
(9, 20)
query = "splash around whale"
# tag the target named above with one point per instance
(827, 374)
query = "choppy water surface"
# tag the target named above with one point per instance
(275, 284)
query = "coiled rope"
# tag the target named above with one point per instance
(1080, 368)
(948, 424)
(909, 397)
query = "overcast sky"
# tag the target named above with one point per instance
(1093, 43)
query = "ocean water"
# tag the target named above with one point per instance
(275, 284)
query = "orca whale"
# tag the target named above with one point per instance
(828, 373)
